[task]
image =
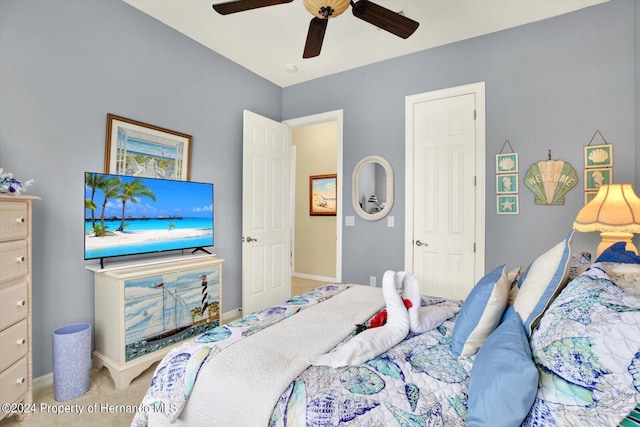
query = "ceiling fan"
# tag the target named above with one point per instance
(322, 10)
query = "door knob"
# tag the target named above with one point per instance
(419, 243)
(251, 239)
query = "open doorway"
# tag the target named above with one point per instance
(316, 250)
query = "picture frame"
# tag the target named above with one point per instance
(507, 183)
(594, 178)
(139, 149)
(589, 195)
(508, 204)
(323, 195)
(598, 156)
(507, 163)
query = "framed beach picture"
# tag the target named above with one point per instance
(594, 178)
(507, 183)
(507, 163)
(508, 204)
(139, 149)
(323, 194)
(598, 156)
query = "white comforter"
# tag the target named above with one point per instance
(240, 385)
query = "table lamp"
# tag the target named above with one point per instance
(615, 213)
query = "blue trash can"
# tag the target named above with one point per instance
(71, 361)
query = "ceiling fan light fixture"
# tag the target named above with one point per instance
(326, 8)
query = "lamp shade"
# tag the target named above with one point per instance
(616, 208)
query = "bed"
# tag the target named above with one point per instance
(534, 351)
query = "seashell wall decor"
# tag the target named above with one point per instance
(598, 166)
(507, 199)
(550, 180)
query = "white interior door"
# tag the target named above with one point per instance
(445, 222)
(266, 212)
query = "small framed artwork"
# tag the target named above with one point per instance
(508, 204)
(507, 183)
(589, 195)
(507, 163)
(140, 149)
(323, 194)
(594, 178)
(598, 156)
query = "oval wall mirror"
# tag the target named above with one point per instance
(372, 188)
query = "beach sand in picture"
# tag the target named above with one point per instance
(131, 237)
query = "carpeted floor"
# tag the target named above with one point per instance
(102, 406)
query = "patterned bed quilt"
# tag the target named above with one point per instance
(418, 382)
(586, 349)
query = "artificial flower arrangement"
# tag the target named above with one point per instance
(379, 319)
(9, 184)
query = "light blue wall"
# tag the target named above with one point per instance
(637, 74)
(549, 85)
(65, 64)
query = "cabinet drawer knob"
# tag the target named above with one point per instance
(21, 303)
(21, 380)
(21, 258)
(20, 220)
(22, 341)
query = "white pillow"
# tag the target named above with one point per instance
(480, 313)
(542, 282)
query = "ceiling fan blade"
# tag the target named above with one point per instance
(384, 18)
(242, 5)
(315, 36)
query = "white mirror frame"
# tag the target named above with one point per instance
(354, 188)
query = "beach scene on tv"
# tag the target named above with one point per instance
(126, 215)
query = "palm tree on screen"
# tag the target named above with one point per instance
(131, 192)
(110, 187)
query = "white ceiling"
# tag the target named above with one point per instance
(269, 40)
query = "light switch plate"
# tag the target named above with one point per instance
(349, 221)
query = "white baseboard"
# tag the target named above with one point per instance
(42, 382)
(314, 277)
(231, 315)
(47, 379)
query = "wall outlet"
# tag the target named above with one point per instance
(372, 280)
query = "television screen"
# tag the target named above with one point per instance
(128, 215)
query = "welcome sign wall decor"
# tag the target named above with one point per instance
(550, 180)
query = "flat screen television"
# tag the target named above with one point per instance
(129, 215)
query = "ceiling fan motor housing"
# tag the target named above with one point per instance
(326, 8)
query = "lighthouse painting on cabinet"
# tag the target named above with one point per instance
(163, 309)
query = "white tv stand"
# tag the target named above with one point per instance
(133, 301)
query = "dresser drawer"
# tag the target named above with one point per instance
(13, 304)
(13, 382)
(13, 259)
(13, 342)
(13, 219)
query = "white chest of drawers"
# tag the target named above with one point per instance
(15, 300)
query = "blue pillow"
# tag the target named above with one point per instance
(618, 253)
(543, 280)
(504, 379)
(481, 312)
